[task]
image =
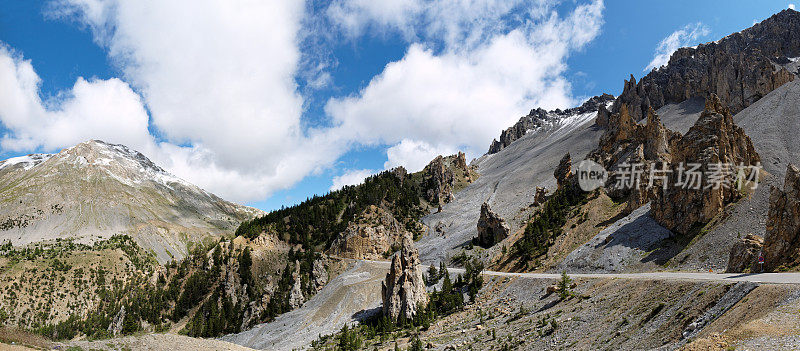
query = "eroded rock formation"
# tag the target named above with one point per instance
(371, 235)
(440, 177)
(715, 140)
(627, 147)
(491, 227)
(564, 170)
(296, 297)
(439, 182)
(744, 254)
(403, 292)
(740, 69)
(540, 196)
(782, 240)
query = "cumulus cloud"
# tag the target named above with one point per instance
(685, 36)
(459, 98)
(791, 6)
(217, 76)
(414, 155)
(93, 109)
(351, 177)
(217, 82)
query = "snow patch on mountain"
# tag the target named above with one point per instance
(27, 161)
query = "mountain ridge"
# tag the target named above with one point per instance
(95, 190)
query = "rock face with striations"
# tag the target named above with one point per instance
(744, 254)
(782, 240)
(540, 117)
(403, 292)
(714, 140)
(491, 227)
(740, 68)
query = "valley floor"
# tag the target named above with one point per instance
(661, 310)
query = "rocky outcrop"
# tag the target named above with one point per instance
(369, 236)
(319, 274)
(296, 297)
(403, 292)
(538, 118)
(714, 140)
(540, 196)
(782, 239)
(626, 144)
(603, 115)
(744, 254)
(491, 227)
(740, 69)
(115, 327)
(439, 182)
(563, 171)
(440, 176)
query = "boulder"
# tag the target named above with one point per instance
(403, 291)
(782, 239)
(744, 254)
(491, 227)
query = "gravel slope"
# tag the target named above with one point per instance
(508, 180)
(348, 297)
(622, 247)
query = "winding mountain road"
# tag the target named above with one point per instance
(764, 278)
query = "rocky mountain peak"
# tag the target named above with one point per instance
(540, 118)
(740, 69)
(95, 189)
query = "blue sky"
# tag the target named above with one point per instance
(348, 112)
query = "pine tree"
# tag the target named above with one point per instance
(563, 287)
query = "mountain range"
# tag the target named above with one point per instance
(337, 271)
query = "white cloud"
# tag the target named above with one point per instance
(94, 109)
(414, 155)
(791, 6)
(682, 37)
(351, 177)
(460, 98)
(221, 77)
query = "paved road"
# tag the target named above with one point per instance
(769, 278)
